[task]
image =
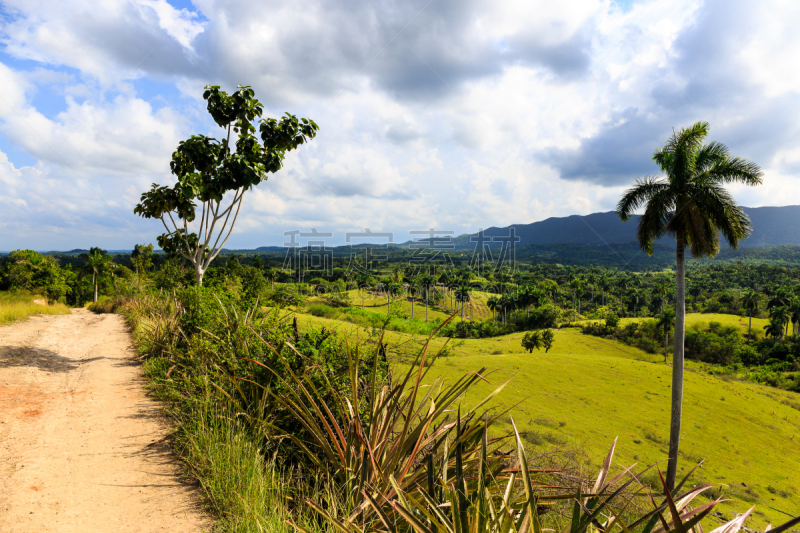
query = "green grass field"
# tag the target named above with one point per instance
(587, 390)
(15, 307)
(705, 318)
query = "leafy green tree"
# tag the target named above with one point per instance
(142, 258)
(532, 340)
(548, 339)
(692, 205)
(97, 263)
(31, 270)
(208, 169)
(612, 321)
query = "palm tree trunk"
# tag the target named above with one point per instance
(426, 306)
(94, 282)
(666, 345)
(749, 324)
(412, 308)
(677, 363)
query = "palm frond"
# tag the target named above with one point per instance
(641, 193)
(654, 223)
(684, 146)
(721, 209)
(735, 170)
(710, 155)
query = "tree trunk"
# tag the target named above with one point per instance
(677, 363)
(666, 346)
(198, 275)
(412, 308)
(426, 306)
(94, 282)
(749, 324)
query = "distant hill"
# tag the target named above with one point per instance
(772, 226)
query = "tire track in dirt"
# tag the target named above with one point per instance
(80, 442)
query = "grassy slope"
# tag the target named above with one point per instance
(15, 307)
(705, 318)
(588, 390)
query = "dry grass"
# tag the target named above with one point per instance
(15, 306)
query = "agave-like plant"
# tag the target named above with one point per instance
(483, 504)
(375, 439)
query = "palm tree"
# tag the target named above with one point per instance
(426, 281)
(576, 284)
(779, 298)
(412, 291)
(774, 329)
(271, 275)
(97, 261)
(493, 304)
(462, 295)
(750, 302)
(692, 205)
(794, 310)
(665, 322)
(782, 315)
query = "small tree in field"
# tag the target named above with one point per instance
(207, 169)
(531, 341)
(548, 339)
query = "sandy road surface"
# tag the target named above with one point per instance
(80, 443)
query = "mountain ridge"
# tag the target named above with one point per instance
(771, 227)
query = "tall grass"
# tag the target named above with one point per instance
(19, 306)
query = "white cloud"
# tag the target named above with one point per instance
(476, 115)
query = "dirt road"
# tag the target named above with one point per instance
(80, 442)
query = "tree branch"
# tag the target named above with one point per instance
(184, 238)
(215, 251)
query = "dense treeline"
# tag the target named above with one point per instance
(528, 298)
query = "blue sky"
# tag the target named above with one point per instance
(446, 113)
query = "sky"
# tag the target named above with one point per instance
(447, 114)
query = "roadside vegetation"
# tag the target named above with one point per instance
(21, 305)
(271, 406)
